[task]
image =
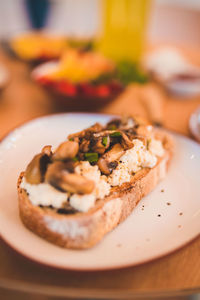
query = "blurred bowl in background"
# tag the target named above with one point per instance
(76, 96)
(86, 80)
(36, 47)
(171, 68)
(184, 85)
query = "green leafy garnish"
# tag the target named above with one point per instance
(125, 73)
(128, 72)
(103, 78)
(104, 141)
(92, 156)
(75, 158)
(112, 127)
(115, 134)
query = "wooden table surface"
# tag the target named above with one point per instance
(175, 274)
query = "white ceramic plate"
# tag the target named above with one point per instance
(163, 221)
(194, 124)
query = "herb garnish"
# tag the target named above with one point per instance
(128, 72)
(75, 158)
(112, 127)
(115, 134)
(104, 141)
(125, 73)
(91, 157)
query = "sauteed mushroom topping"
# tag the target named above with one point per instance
(87, 132)
(55, 168)
(123, 123)
(59, 177)
(125, 141)
(104, 163)
(114, 124)
(86, 167)
(101, 145)
(85, 146)
(104, 166)
(36, 169)
(116, 136)
(75, 183)
(47, 150)
(66, 150)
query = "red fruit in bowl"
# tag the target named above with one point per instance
(66, 88)
(102, 90)
(115, 86)
(44, 81)
(87, 89)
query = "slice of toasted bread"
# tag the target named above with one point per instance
(84, 230)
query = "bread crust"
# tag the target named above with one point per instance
(84, 230)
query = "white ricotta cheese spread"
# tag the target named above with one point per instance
(156, 147)
(44, 194)
(82, 202)
(131, 162)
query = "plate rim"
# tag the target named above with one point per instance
(97, 269)
(89, 269)
(89, 293)
(192, 118)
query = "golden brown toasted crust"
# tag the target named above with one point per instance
(84, 230)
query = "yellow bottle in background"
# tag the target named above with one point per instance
(123, 28)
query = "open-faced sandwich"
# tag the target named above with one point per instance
(73, 195)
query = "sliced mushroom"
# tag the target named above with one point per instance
(84, 146)
(58, 166)
(47, 150)
(66, 150)
(127, 122)
(81, 156)
(70, 165)
(116, 135)
(103, 133)
(76, 183)
(104, 166)
(95, 128)
(131, 133)
(59, 177)
(124, 123)
(100, 144)
(125, 141)
(36, 169)
(112, 155)
(113, 124)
